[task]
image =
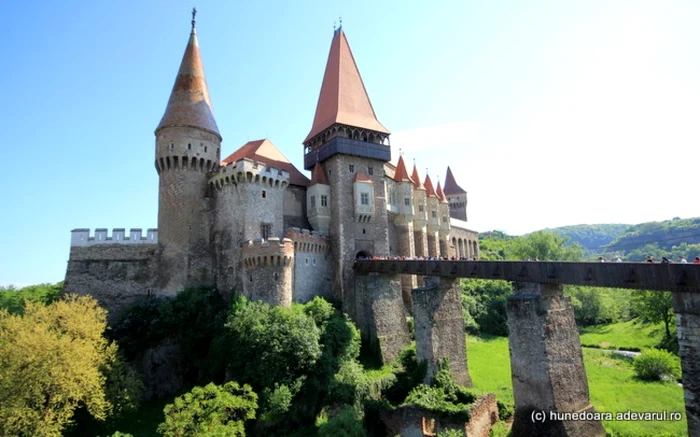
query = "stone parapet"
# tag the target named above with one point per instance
(249, 171)
(270, 252)
(81, 237)
(306, 241)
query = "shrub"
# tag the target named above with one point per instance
(409, 373)
(657, 365)
(344, 424)
(210, 411)
(505, 411)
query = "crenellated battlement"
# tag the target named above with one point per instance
(306, 241)
(249, 171)
(81, 237)
(270, 252)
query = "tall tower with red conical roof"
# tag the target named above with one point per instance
(351, 145)
(432, 205)
(456, 197)
(188, 145)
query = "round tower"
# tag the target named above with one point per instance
(267, 270)
(188, 146)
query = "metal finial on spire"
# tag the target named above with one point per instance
(400, 153)
(340, 19)
(334, 28)
(194, 15)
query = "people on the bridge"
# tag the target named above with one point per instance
(682, 260)
(618, 259)
(665, 260)
(696, 260)
(601, 259)
(650, 259)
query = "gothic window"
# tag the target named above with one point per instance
(420, 208)
(370, 170)
(264, 194)
(352, 168)
(407, 201)
(265, 230)
(434, 214)
(313, 201)
(324, 201)
(364, 198)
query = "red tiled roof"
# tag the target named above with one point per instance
(416, 179)
(429, 190)
(318, 176)
(343, 98)
(266, 152)
(440, 194)
(451, 186)
(189, 103)
(401, 175)
(361, 177)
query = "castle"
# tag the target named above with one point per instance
(243, 222)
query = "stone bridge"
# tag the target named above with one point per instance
(545, 350)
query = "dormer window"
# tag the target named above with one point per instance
(324, 201)
(364, 199)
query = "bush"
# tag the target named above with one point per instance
(657, 365)
(210, 411)
(505, 411)
(344, 424)
(409, 373)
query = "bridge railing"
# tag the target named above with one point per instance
(644, 276)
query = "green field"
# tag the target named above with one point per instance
(611, 381)
(632, 335)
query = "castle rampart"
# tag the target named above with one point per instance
(312, 267)
(81, 237)
(249, 171)
(267, 270)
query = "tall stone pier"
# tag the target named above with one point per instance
(687, 308)
(439, 326)
(547, 364)
(380, 313)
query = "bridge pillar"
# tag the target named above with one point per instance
(547, 364)
(439, 326)
(406, 247)
(380, 315)
(687, 308)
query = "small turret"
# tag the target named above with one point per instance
(404, 187)
(363, 193)
(444, 216)
(456, 197)
(267, 274)
(432, 203)
(318, 200)
(420, 217)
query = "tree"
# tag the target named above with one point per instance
(210, 411)
(545, 246)
(52, 360)
(654, 307)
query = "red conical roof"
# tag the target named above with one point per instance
(429, 190)
(343, 97)
(401, 175)
(451, 186)
(440, 194)
(318, 176)
(416, 179)
(189, 103)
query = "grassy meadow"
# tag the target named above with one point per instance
(611, 381)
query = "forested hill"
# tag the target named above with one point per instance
(668, 238)
(593, 238)
(665, 235)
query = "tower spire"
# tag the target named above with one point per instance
(343, 98)
(189, 104)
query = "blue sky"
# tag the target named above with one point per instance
(550, 113)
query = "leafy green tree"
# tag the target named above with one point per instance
(210, 411)
(654, 307)
(345, 424)
(12, 299)
(484, 305)
(595, 306)
(53, 359)
(545, 246)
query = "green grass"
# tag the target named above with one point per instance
(631, 335)
(611, 381)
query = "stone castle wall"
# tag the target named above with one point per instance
(267, 270)
(312, 266)
(117, 275)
